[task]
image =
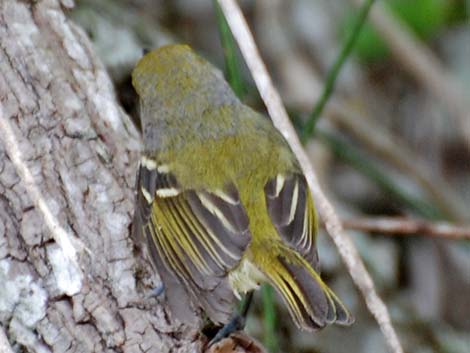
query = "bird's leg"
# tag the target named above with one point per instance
(236, 323)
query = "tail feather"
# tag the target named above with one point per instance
(311, 303)
(343, 316)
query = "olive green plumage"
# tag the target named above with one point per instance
(221, 200)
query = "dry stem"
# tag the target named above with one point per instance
(407, 226)
(279, 116)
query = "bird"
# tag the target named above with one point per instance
(221, 204)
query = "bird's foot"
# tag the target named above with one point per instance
(236, 323)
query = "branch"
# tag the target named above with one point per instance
(407, 226)
(279, 116)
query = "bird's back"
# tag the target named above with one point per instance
(246, 148)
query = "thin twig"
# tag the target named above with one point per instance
(279, 116)
(333, 73)
(422, 64)
(408, 226)
(234, 77)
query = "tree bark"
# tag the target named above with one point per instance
(70, 280)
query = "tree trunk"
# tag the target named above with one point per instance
(69, 278)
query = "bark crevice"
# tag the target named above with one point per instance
(81, 151)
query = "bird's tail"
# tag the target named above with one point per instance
(311, 303)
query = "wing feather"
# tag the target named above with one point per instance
(290, 207)
(198, 236)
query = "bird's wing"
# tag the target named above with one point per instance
(292, 212)
(310, 301)
(197, 236)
